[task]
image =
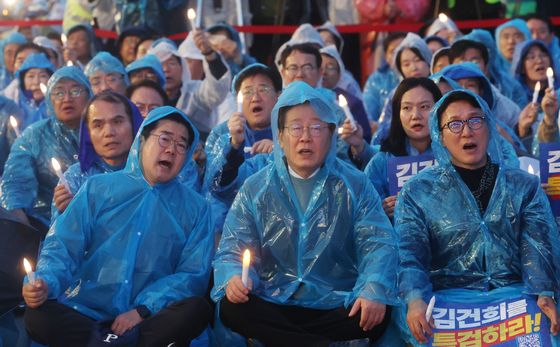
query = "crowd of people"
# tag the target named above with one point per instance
(150, 172)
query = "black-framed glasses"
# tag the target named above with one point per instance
(74, 92)
(296, 130)
(166, 141)
(456, 126)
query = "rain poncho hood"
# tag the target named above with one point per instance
(106, 63)
(305, 33)
(163, 49)
(328, 26)
(332, 52)
(145, 245)
(65, 72)
(188, 50)
(517, 63)
(14, 37)
(88, 156)
(321, 256)
(517, 23)
(34, 61)
(469, 70)
(443, 51)
(438, 25)
(413, 41)
(149, 61)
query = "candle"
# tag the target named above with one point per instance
(530, 169)
(536, 92)
(29, 270)
(239, 102)
(430, 308)
(550, 75)
(248, 149)
(64, 39)
(344, 104)
(58, 171)
(14, 124)
(43, 88)
(246, 263)
(191, 14)
(445, 21)
(340, 130)
(69, 63)
(199, 11)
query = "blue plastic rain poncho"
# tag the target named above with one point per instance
(338, 249)
(451, 246)
(246, 59)
(149, 61)
(520, 25)
(410, 41)
(31, 110)
(377, 89)
(29, 179)
(438, 25)
(89, 162)
(497, 66)
(7, 133)
(197, 98)
(554, 48)
(106, 63)
(145, 245)
(6, 76)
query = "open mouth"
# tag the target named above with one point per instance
(417, 127)
(305, 151)
(256, 109)
(165, 163)
(469, 146)
(68, 108)
(540, 69)
(111, 144)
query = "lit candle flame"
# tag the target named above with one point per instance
(246, 264)
(64, 39)
(530, 169)
(342, 101)
(29, 271)
(443, 17)
(549, 72)
(43, 88)
(550, 75)
(14, 124)
(55, 164)
(536, 92)
(191, 14)
(69, 63)
(239, 102)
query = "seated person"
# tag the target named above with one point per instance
(133, 248)
(495, 233)
(146, 68)
(323, 250)
(409, 133)
(80, 45)
(8, 48)
(29, 178)
(109, 125)
(146, 95)
(440, 59)
(106, 72)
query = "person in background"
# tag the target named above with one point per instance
(146, 68)
(146, 95)
(145, 236)
(508, 35)
(143, 46)
(225, 40)
(105, 72)
(52, 51)
(542, 29)
(436, 43)
(29, 178)
(446, 30)
(80, 45)
(13, 89)
(440, 60)
(301, 62)
(109, 125)
(193, 57)
(127, 43)
(8, 48)
(7, 133)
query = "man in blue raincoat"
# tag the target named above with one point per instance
(323, 251)
(493, 238)
(132, 249)
(105, 72)
(29, 178)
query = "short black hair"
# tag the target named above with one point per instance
(272, 74)
(392, 37)
(112, 98)
(458, 95)
(541, 18)
(174, 117)
(306, 48)
(415, 51)
(30, 45)
(459, 47)
(395, 143)
(148, 84)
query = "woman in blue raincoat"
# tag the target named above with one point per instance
(409, 133)
(29, 178)
(8, 48)
(314, 225)
(132, 244)
(114, 121)
(530, 63)
(494, 237)
(34, 72)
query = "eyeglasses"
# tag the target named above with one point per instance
(75, 92)
(296, 130)
(250, 92)
(145, 108)
(143, 75)
(456, 126)
(166, 140)
(109, 79)
(534, 57)
(305, 68)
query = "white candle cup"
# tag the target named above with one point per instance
(58, 170)
(239, 102)
(14, 124)
(536, 92)
(550, 76)
(342, 102)
(430, 308)
(29, 271)
(245, 270)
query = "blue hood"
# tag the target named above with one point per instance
(413, 41)
(149, 61)
(34, 61)
(470, 70)
(519, 55)
(105, 63)
(517, 23)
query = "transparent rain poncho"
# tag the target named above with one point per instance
(122, 243)
(520, 25)
(149, 61)
(106, 63)
(340, 248)
(451, 246)
(29, 179)
(377, 88)
(6, 76)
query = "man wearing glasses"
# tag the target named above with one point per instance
(301, 62)
(29, 179)
(106, 72)
(129, 260)
(323, 251)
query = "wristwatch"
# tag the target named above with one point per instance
(143, 311)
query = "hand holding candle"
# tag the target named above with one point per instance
(536, 92)
(246, 264)
(29, 271)
(14, 124)
(58, 170)
(344, 104)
